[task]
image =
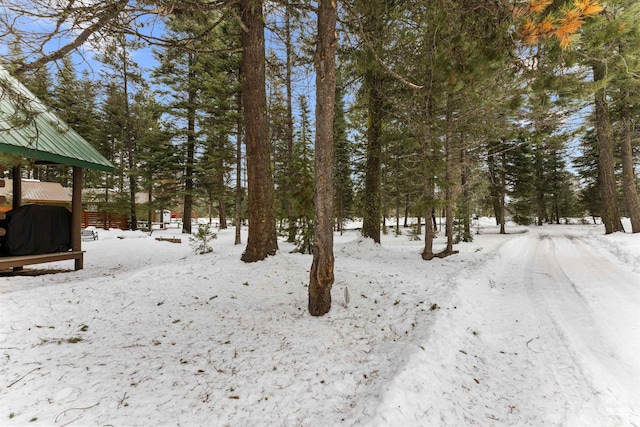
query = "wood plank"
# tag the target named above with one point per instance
(22, 260)
(169, 239)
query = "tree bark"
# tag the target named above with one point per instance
(452, 176)
(373, 85)
(397, 197)
(238, 208)
(428, 189)
(631, 198)
(221, 186)
(373, 173)
(291, 184)
(503, 192)
(466, 205)
(494, 186)
(130, 145)
(406, 212)
(222, 214)
(606, 161)
(262, 238)
(321, 275)
(541, 208)
(190, 152)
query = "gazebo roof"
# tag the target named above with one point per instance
(29, 129)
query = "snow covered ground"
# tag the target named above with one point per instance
(537, 327)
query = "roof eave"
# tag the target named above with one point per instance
(53, 158)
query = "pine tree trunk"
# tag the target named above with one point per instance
(373, 173)
(452, 177)
(503, 193)
(406, 211)
(397, 195)
(133, 217)
(132, 200)
(606, 161)
(190, 152)
(465, 208)
(262, 238)
(222, 214)
(188, 179)
(238, 205)
(494, 183)
(628, 176)
(428, 189)
(540, 185)
(291, 214)
(150, 211)
(321, 275)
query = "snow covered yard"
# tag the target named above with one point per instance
(533, 328)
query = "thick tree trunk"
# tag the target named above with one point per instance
(606, 161)
(321, 275)
(262, 239)
(631, 198)
(373, 173)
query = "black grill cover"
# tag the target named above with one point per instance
(37, 229)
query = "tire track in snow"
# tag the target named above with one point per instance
(611, 290)
(574, 326)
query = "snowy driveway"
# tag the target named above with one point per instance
(546, 331)
(589, 306)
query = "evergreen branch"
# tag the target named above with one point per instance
(371, 49)
(107, 17)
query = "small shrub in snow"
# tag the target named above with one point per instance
(201, 238)
(415, 232)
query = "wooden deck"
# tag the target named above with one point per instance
(17, 262)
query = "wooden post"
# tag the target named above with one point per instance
(76, 215)
(17, 187)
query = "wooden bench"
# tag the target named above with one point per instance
(89, 235)
(19, 261)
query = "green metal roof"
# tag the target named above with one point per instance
(29, 129)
